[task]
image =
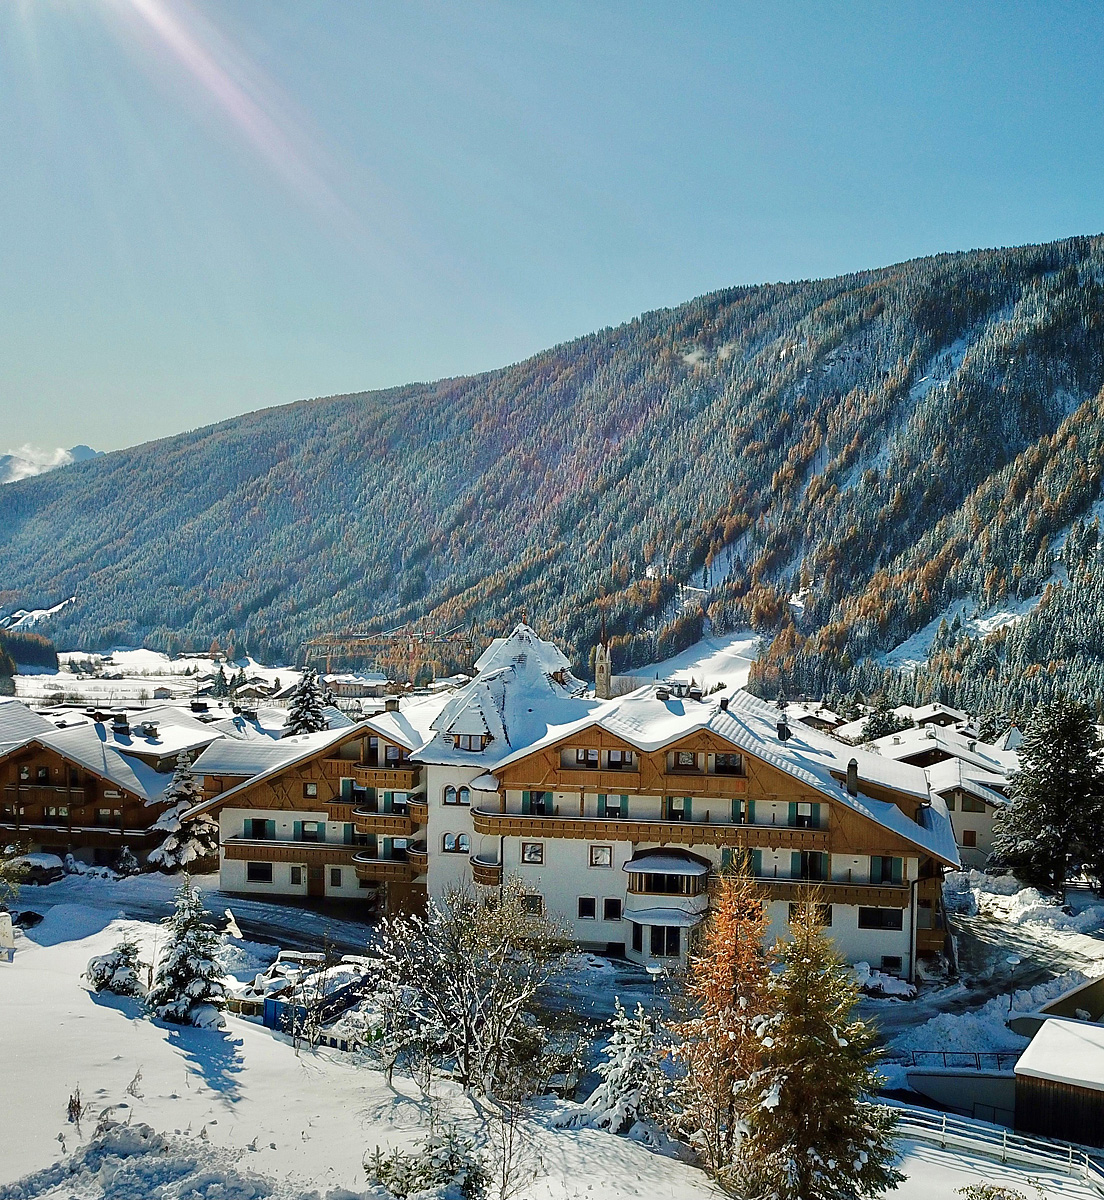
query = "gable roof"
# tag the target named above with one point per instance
(18, 723)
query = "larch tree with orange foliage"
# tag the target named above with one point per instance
(716, 1046)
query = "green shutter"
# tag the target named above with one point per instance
(297, 831)
(270, 828)
(825, 866)
(687, 807)
(601, 805)
(373, 846)
(795, 864)
(875, 867)
(347, 790)
(751, 812)
(526, 803)
(624, 806)
(791, 817)
(898, 870)
(726, 858)
(387, 843)
(321, 831)
(388, 801)
(348, 834)
(757, 863)
(737, 811)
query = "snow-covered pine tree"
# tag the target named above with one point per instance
(727, 984)
(305, 710)
(12, 871)
(126, 863)
(882, 722)
(812, 1133)
(1057, 795)
(118, 971)
(220, 686)
(187, 987)
(634, 1085)
(188, 841)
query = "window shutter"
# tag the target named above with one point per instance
(825, 866)
(791, 817)
(898, 869)
(737, 811)
(387, 843)
(347, 790)
(726, 858)
(751, 812)
(348, 833)
(321, 831)
(601, 806)
(795, 864)
(757, 863)
(624, 806)
(297, 831)
(687, 805)
(270, 828)
(816, 815)
(388, 801)
(526, 802)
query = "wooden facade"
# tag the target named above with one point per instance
(1048, 1108)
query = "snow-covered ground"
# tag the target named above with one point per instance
(726, 659)
(132, 675)
(914, 651)
(238, 1115)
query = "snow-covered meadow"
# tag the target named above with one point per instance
(239, 1115)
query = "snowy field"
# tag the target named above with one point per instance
(711, 661)
(238, 1115)
(132, 675)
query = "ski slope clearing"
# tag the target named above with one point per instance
(239, 1116)
(711, 661)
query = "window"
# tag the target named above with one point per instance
(886, 870)
(728, 764)
(450, 795)
(335, 876)
(881, 918)
(469, 741)
(537, 803)
(620, 760)
(824, 914)
(637, 938)
(951, 802)
(806, 816)
(666, 941)
(686, 760)
(891, 964)
(392, 755)
(613, 806)
(313, 831)
(666, 885)
(972, 804)
(677, 808)
(259, 829)
(587, 758)
(611, 909)
(310, 791)
(456, 843)
(465, 796)
(809, 864)
(54, 814)
(533, 904)
(109, 816)
(969, 837)
(532, 852)
(588, 908)
(24, 774)
(43, 775)
(365, 884)
(601, 856)
(296, 876)
(258, 872)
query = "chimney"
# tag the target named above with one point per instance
(853, 777)
(662, 694)
(724, 703)
(783, 728)
(391, 704)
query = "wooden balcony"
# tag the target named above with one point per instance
(868, 895)
(418, 857)
(418, 810)
(485, 872)
(385, 824)
(698, 783)
(680, 833)
(382, 870)
(399, 779)
(341, 813)
(94, 837)
(53, 789)
(591, 779)
(307, 854)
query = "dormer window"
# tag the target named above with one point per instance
(587, 758)
(470, 741)
(620, 760)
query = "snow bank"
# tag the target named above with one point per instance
(1003, 896)
(876, 983)
(985, 1029)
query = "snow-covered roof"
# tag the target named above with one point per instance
(368, 677)
(411, 725)
(665, 864)
(664, 916)
(1066, 1051)
(953, 773)
(547, 656)
(18, 723)
(649, 724)
(925, 712)
(950, 741)
(176, 731)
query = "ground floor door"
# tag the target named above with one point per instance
(316, 881)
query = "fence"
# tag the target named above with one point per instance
(994, 1142)
(970, 1060)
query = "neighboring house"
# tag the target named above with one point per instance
(1060, 1082)
(819, 717)
(932, 714)
(162, 693)
(616, 814)
(357, 687)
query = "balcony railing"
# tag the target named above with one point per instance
(485, 871)
(309, 854)
(418, 811)
(626, 829)
(401, 777)
(382, 870)
(388, 824)
(417, 855)
(831, 892)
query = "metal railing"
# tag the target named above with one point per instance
(993, 1141)
(970, 1060)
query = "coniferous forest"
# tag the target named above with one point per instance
(832, 463)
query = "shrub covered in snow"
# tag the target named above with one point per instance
(118, 971)
(445, 1165)
(188, 987)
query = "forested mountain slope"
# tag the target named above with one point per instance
(880, 444)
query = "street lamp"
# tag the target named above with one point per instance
(655, 970)
(1013, 961)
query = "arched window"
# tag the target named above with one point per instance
(450, 795)
(449, 843)
(456, 843)
(465, 796)
(463, 843)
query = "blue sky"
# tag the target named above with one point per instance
(207, 208)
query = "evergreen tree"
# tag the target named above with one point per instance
(812, 1134)
(882, 722)
(1055, 817)
(220, 686)
(188, 840)
(12, 871)
(305, 710)
(188, 988)
(634, 1084)
(716, 1046)
(118, 971)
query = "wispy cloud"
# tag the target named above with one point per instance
(29, 460)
